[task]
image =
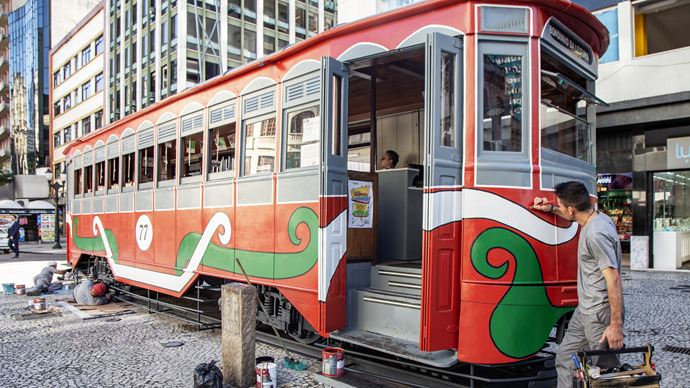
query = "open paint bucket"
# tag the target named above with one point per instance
(40, 304)
(19, 289)
(8, 288)
(333, 362)
(266, 375)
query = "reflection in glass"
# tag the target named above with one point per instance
(167, 157)
(259, 147)
(146, 165)
(502, 113)
(223, 148)
(192, 154)
(671, 191)
(128, 170)
(564, 133)
(303, 138)
(448, 100)
(113, 173)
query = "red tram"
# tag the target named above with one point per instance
(488, 104)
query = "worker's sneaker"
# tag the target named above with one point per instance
(34, 293)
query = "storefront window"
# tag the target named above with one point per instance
(615, 200)
(670, 194)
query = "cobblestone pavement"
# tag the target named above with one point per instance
(64, 351)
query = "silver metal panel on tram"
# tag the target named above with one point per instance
(97, 203)
(164, 199)
(189, 197)
(76, 206)
(253, 191)
(298, 187)
(86, 206)
(126, 202)
(144, 201)
(219, 194)
(111, 204)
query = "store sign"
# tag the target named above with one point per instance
(678, 152)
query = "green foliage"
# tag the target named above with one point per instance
(6, 177)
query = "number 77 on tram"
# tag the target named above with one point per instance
(487, 104)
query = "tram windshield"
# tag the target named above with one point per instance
(564, 105)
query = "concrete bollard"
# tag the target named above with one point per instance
(238, 305)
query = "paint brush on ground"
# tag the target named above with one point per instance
(289, 361)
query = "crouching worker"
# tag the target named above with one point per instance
(43, 282)
(90, 294)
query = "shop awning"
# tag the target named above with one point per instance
(40, 207)
(8, 206)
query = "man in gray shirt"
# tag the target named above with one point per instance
(597, 323)
(43, 282)
(90, 294)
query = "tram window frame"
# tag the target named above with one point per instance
(192, 129)
(216, 164)
(99, 183)
(88, 180)
(289, 131)
(145, 165)
(113, 180)
(128, 171)
(77, 182)
(508, 48)
(170, 170)
(247, 159)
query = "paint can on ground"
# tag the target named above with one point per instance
(19, 289)
(261, 359)
(266, 375)
(333, 362)
(40, 304)
(8, 288)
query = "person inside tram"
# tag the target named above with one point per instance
(389, 160)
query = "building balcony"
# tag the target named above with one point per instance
(3, 14)
(4, 65)
(4, 41)
(4, 89)
(4, 109)
(4, 154)
(4, 132)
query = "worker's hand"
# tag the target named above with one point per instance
(614, 334)
(542, 204)
(108, 297)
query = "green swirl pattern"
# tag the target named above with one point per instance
(524, 317)
(93, 244)
(269, 265)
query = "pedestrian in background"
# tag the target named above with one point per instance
(13, 235)
(597, 323)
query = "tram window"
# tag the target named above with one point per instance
(113, 173)
(502, 113)
(448, 100)
(302, 148)
(259, 145)
(337, 130)
(100, 176)
(128, 170)
(146, 165)
(192, 154)
(77, 181)
(88, 179)
(223, 148)
(167, 157)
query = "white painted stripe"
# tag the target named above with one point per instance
(442, 208)
(332, 246)
(163, 280)
(485, 205)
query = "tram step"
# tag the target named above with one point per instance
(403, 279)
(387, 313)
(397, 347)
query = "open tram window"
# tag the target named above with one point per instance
(222, 154)
(88, 179)
(192, 154)
(146, 165)
(167, 157)
(100, 176)
(77, 181)
(302, 149)
(128, 170)
(259, 145)
(113, 173)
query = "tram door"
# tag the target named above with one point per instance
(333, 190)
(442, 181)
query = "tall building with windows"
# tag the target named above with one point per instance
(155, 48)
(5, 141)
(77, 88)
(29, 32)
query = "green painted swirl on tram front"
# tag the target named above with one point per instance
(523, 319)
(93, 244)
(269, 265)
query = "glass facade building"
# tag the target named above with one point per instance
(29, 41)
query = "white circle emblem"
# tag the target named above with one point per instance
(144, 232)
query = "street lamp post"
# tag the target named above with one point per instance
(56, 185)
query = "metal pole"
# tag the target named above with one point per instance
(56, 186)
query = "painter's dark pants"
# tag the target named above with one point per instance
(14, 246)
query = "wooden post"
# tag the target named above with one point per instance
(238, 305)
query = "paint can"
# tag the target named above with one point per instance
(261, 359)
(266, 375)
(8, 288)
(19, 289)
(40, 304)
(333, 362)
